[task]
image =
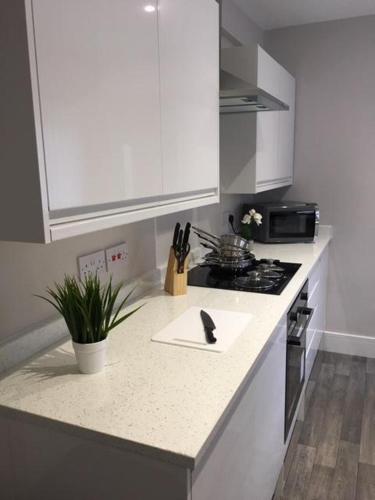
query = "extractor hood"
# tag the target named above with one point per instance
(244, 87)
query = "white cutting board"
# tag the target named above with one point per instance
(187, 330)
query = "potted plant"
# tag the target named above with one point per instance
(90, 312)
(247, 223)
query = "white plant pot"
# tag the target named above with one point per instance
(91, 358)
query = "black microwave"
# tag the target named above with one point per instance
(286, 222)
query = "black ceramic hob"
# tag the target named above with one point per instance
(263, 276)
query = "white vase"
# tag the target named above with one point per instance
(91, 358)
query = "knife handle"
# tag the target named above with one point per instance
(175, 234)
(210, 337)
(185, 240)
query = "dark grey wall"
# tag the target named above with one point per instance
(334, 64)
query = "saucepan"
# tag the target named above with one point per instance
(227, 245)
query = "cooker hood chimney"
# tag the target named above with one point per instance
(246, 81)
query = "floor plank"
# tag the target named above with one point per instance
(317, 366)
(352, 420)
(310, 387)
(329, 357)
(330, 431)
(297, 483)
(292, 448)
(367, 447)
(332, 453)
(366, 482)
(343, 365)
(343, 486)
(315, 416)
(320, 482)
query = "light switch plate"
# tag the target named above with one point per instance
(93, 263)
(116, 257)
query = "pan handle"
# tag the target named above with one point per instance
(202, 231)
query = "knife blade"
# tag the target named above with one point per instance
(209, 326)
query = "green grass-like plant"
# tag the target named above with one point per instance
(88, 308)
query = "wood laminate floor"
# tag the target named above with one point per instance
(332, 453)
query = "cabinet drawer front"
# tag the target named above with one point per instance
(318, 276)
(189, 75)
(99, 91)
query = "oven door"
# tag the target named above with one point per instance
(295, 364)
(293, 225)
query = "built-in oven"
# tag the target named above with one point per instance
(298, 320)
(286, 222)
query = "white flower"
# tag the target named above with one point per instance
(258, 219)
(246, 219)
(252, 216)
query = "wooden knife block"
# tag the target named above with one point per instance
(176, 284)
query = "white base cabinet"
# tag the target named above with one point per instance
(317, 300)
(257, 148)
(110, 113)
(245, 462)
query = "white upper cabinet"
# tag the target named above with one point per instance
(113, 111)
(189, 62)
(98, 79)
(257, 149)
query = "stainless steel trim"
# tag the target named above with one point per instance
(238, 96)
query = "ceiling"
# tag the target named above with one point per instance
(270, 14)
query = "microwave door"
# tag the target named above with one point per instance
(292, 225)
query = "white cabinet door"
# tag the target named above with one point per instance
(286, 126)
(189, 72)
(275, 130)
(99, 92)
(245, 462)
(267, 149)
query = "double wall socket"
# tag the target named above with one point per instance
(104, 262)
(93, 264)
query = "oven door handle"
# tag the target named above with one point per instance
(307, 312)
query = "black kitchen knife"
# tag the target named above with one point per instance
(185, 249)
(209, 327)
(185, 241)
(179, 241)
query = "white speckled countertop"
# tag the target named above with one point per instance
(157, 399)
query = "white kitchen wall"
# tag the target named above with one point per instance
(334, 64)
(26, 269)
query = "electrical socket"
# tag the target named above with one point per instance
(116, 257)
(227, 228)
(92, 264)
